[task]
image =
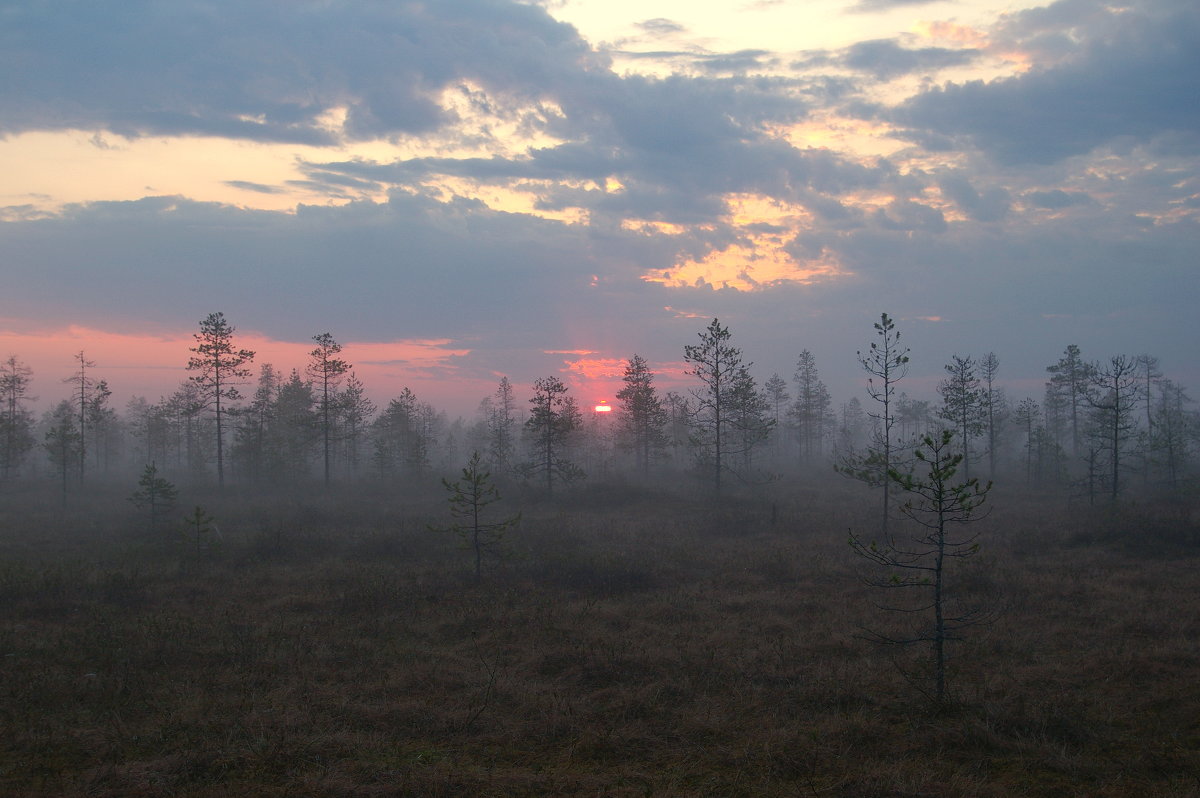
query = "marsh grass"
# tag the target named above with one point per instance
(647, 646)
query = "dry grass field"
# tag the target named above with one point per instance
(629, 644)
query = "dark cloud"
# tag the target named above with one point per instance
(886, 58)
(739, 63)
(258, 188)
(405, 268)
(990, 205)
(268, 71)
(1135, 73)
(1057, 199)
(909, 216)
(876, 6)
(677, 145)
(660, 26)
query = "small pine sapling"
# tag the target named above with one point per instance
(154, 493)
(917, 563)
(469, 498)
(200, 530)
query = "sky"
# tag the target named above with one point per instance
(462, 189)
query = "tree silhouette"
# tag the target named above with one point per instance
(962, 404)
(641, 414)
(1175, 432)
(500, 419)
(1026, 415)
(552, 420)
(221, 368)
(811, 409)
(1113, 401)
(469, 498)
(355, 409)
(995, 405)
(1071, 376)
(401, 443)
(63, 442)
(719, 367)
(84, 385)
(154, 493)
(326, 369)
(16, 436)
(886, 363)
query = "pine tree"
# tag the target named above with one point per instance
(154, 493)
(1071, 376)
(1176, 432)
(917, 565)
(252, 447)
(355, 409)
(400, 441)
(295, 430)
(1026, 415)
(962, 404)
(719, 367)
(326, 369)
(221, 368)
(641, 416)
(16, 423)
(552, 420)
(994, 406)
(1113, 399)
(886, 363)
(83, 394)
(63, 441)
(811, 410)
(469, 498)
(778, 398)
(501, 420)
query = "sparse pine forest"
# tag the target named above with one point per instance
(266, 583)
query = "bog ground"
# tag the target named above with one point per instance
(627, 644)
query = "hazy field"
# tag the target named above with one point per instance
(628, 644)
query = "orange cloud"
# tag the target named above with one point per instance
(857, 140)
(766, 225)
(746, 268)
(597, 368)
(653, 228)
(951, 33)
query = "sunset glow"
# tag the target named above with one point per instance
(155, 365)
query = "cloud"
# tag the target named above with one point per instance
(265, 71)
(877, 6)
(678, 147)
(247, 185)
(1056, 199)
(989, 206)
(660, 26)
(1130, 72)
(886, 58)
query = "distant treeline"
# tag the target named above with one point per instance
(1098, 425)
